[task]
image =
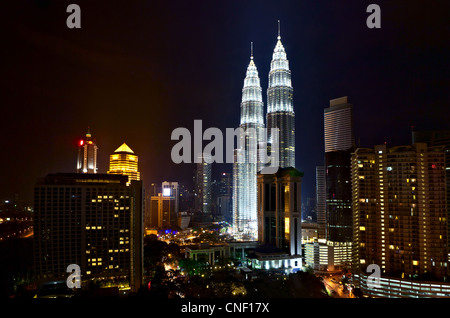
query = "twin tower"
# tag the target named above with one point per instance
(280, 115)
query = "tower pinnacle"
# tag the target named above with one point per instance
(279, 36)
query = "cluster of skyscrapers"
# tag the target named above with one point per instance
(383, 206)
(92, 220)
(280, 116)
(387, 206)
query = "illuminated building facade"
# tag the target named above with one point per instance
(279, 210)
(399, 212)
(245, 167)
(123, 161)
(87, 155)
(338, 125)
(162, 211)
(339, 143)
(438, 138)
(171, 189)
(280, 106)
(321, 206)
(92, 220)
(203, 183)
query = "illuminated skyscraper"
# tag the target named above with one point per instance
(124, 161)
(96, 223)
(339, 142)
(338, 125)
(245, 169)
(87, 155)
(202, 179)
(280, 106)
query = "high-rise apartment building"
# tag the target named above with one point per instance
(438, 138)
(87, 155)
(123, 161)
(280, 106)
(92, 220)
(399, 213)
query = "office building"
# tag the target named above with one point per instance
(171, 189)
(280, 106)
(321, 202)
(162, 212)
(123, 161)
(87, 155)
(224, 196)
(92, 220)
(246, 163)
(202, 183)
(338, 125)
(279, 210)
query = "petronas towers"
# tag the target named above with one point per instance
(280, 115)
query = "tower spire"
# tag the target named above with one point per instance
(279, 36)
(251, 50)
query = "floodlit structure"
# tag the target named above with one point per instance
(123, 161)
(280, 106)
(246, 166)
(87, 155)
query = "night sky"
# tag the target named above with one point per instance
(136, 70)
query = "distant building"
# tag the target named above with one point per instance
(87, 155)
(327, 256)
(310, 232)
(171, 189)
(123, 161)
(338, 125)
(224, 196)
(162, 212)
(321, 204)
(203, 181)
(92, 220)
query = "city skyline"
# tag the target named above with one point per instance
(134, 76)
(109, 171)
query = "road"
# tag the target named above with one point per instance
(336, 287)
